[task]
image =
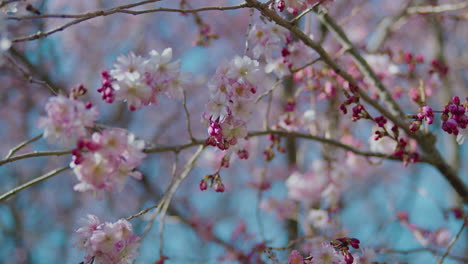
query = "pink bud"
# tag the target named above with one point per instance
(219, 187)
(203, 185)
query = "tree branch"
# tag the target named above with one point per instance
(32, 182)
(120, 9)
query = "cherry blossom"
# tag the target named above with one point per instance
(114, 156)
(140, 80)
(107, 243)
(67, 119)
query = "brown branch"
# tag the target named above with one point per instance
(437, 8)
(425, 140)
(198, 142)
(35, 154)
(22, 145)
(32, 182)
(121, 9)
(419, 250)
(28, 77)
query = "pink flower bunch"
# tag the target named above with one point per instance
(320, 183)
(67, 119)
(139, 80)
(232, 97)
(284, 209)
(342, 245)
(325, 254)
(111, 156)
(455, 118)
(295, 6)
(335, 252)
(266, 38)
(107, 243)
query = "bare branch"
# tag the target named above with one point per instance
(437, 9)
(187, 116)
(32, 182)
(22, 145)
(419, 250)
(167, 197)
(120, 9)
(35, 154)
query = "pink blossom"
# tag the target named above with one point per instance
(139, 80)
(285, 209)
(304, 187)
(129, 67)
(134, 91)
(368, 256)
(295, 258)
(326, 254)
(161, 67)
(108, 243)
(67, 119)
(108, 165)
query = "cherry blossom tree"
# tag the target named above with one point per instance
(195, 131)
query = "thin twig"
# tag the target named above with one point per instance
(32, 182)
(293, 70)
(437, 9)
(187, 116)
(28, 77)
(173, 186)
(418, 250)
(35, 154)
(269, 91)
(22, 145)
(305, 12)
(121, 9)
(452, 242)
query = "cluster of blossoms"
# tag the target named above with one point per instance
(295, 6)
(107, 243)
(67, 118)
(232, 96)
(281, 54)
(425, 113)
(336, 251)
(139, 80)
(106, 159)
(455, 119)
(322, 182)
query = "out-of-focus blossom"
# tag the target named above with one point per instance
(107, 243)
(67, 119)
(114, 156)
(319, 218)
